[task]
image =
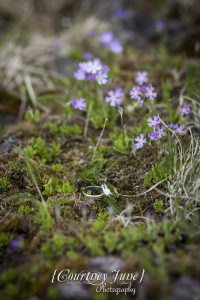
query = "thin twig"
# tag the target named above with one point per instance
(87, 121)
(93, 156)
(176, 196)
(153, 187)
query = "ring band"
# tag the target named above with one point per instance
(93, 188)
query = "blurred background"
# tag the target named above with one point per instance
(37, 37)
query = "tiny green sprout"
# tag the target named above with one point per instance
(93, 244)
(55, 149)
(110, 241)
(43, 216)
(53, 127)
(5, 239)
(33, 116)
(70, 130)
(4, 184)
(89, 192)
(72, 255)
(53, 293)
(8, 276)
(158, 206)
(12, 290)
(50, 185)
(48, 190)
(24, 209)
(66, 188)
(65, 130)
(57, 167)
(16, 165)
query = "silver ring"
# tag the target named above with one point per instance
(93, 188)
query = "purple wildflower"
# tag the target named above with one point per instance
(171, 126)
(115, 46)
(113, 98)
(140, 141)
(197, 46)
(85, 66)
(121, 14)
(153, 122)
(180, 129)
(56, 207)
(118, 92)
(80, 74)
(79, 103)
(92, 216)
(160, 131)
(152, 136)
(84, 208)
(147, 213)
(94, 66)
(141, 77)
(149, 92)
(29, 108)
(14, 244)
(101, 78)
(160, 25)
(142, 89)
(91, 77)
(90, 32)
(174, 137)
(134, 93)
(87, 56)
(105, 69)
(106, 38)
(185, 110)
(140, 100)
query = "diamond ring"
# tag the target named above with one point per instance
(96, 192)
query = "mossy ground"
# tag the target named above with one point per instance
(167, 249)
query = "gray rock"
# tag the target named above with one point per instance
(186, 288)
(8, 144)
(73, 292)
(106, 264)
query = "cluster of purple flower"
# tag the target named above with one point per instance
(140, 93)
(92, 70)
(79, 103)
(108, 40)
(177, 129)
(159, 131)
(114, 97)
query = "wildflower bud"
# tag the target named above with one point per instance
(129, 209)
(84, 210)
(120, 110)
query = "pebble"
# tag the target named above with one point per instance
(186, 288)
(73, 292)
